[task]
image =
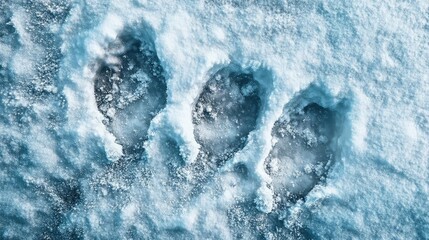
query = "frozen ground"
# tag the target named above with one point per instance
(214, 119)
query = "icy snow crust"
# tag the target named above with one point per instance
(214, 119)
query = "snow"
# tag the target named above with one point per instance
(199, 119)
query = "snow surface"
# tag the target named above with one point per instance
(214, 119)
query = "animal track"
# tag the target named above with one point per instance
(225, 113)
(303, 152)
(130, 89)
(301, 157)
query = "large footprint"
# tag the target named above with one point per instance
(130, 89)
(225, 113)
(299, 160)
(304, 150)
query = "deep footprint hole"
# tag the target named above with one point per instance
(225, 113)
(130, 89)
(304, 151)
